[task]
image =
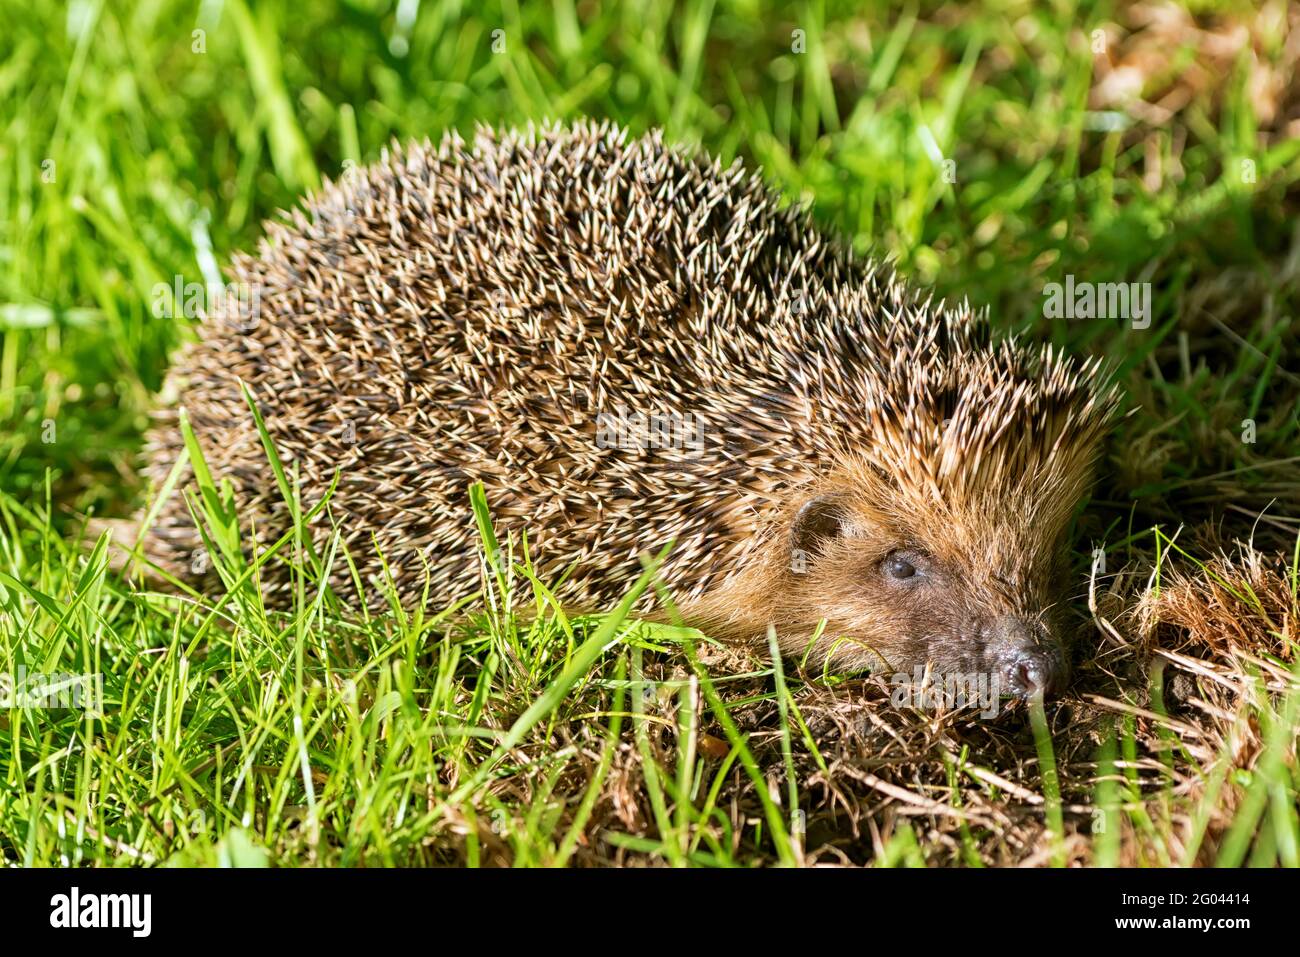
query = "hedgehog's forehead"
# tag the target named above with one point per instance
(1001, 536)
(1000, 433)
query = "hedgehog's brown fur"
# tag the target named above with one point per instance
(470, 312)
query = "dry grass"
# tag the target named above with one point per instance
(1163, 65)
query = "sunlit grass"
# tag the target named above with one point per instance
(144, 143)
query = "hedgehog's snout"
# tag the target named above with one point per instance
(1027, 660)
(1034, 671)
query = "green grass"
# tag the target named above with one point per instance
(491, 728)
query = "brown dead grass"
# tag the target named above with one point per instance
(1161, 61)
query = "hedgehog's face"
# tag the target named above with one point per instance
(975, 598)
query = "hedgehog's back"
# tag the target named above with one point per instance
(504, 313)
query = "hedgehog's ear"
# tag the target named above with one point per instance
(818, 522)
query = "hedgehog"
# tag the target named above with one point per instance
(632, 346)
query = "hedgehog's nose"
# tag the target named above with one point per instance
(1033, 671)
(1025, 658)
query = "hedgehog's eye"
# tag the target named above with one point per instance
(901, 565)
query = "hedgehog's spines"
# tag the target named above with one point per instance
(432, 319)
